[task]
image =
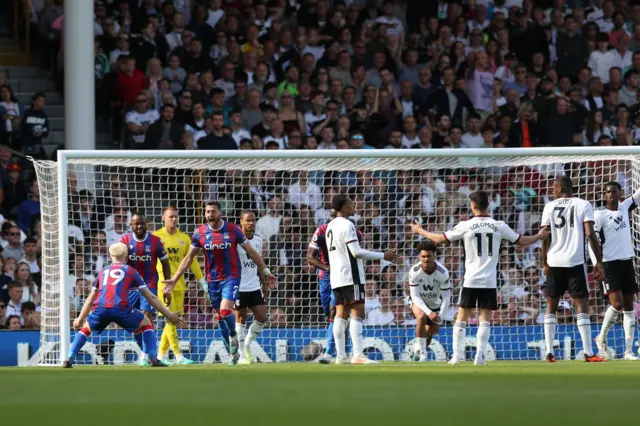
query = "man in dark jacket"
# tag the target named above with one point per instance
(35, 127)
(217, 139)
(450, 101)
(571, 49)
(14, 190)
(165, 133)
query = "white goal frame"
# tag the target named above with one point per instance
(458, 158)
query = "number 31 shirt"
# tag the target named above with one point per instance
(566, 218)
(482, 237)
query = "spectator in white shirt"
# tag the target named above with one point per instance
(174, 38)
(268, 225)
(597, 61)
(394, 25)
(305, 192)
(31, 255)
(122, 48)
(384, 315)
(215, 13)
(410, 138)
(328, 136)
(371, 299)
(473, 137)
(14, 306)
(139, 120)
(277, 134)
(120, 226)
(619, 57)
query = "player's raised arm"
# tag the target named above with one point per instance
(527, 240)
(155, 302)
(86, 309)
(437, 238)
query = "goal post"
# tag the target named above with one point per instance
(87, 198)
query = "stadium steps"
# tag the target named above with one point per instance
(27, 80)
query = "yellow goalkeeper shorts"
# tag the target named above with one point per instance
(177, 302)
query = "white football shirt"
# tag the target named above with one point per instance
(430, 286)
(482, 236)
(249, 277)
(614, 229)
(345, 269)
(566, 217)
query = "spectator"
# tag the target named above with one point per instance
(98, 254)
(524, 131)
(31, 316)
(165, 133)
(217, 139)
(384, 315)
(120, 226)
(139, 120)
(13, 323)
(30, 258)
(13, 189)
(131, 82)
(14, 306)
(30, 207)
(29, 289)
(35, 127)
(571, 48)
(449, 100)
(11, 112)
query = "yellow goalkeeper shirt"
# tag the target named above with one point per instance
(177, 246)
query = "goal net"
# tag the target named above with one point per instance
(87, 199)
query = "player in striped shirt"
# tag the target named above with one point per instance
(144, 252)
(109, 302)
(219, 241)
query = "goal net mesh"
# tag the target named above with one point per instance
(291, 198)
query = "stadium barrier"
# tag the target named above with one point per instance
(22, 348)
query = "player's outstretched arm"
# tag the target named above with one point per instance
(312, 259)
(527, 240)
(360, 253)
(155, 302)
(437, 238)
(186, 262)
(257, 259)
(86, 309)
(598, 271)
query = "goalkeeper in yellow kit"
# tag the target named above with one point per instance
(177, 245)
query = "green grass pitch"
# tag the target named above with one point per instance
(502, 393)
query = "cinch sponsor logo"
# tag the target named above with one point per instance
(223, 246)
(145, 258)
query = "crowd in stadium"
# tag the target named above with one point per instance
(336, 74)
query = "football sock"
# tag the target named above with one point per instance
(138, 337)
(584, 327)
(459, 331)
(629, 325)
(550, 323)
(355, 331)
(230, 319)
(422, 344)
(241, 330)
(78, 342)
(610, 318)
(331, 342)
(339, 330)
(484, 330)
(150, 343)
(224, 330)
(254, 331)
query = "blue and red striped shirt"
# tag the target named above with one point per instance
(144, 256)
(319, 243)
(220, 249)
(114, 283)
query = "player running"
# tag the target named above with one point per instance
(219, 240)
(145, 250)
(176, 243)
(109, 302)
(253, 291)
(347, 278)
(613, 226)
(482, 237)
(563, 256)
(430, 293)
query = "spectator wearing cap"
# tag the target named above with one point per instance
(217, 139)
(238, 133)
(216, 97)
(263, 128)
(13, 190)
(35, 127)
(165, 133)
